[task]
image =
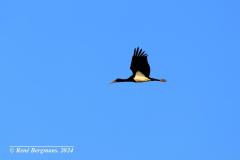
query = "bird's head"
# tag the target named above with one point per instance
(117, 80)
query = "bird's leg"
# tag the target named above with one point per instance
(163, 80)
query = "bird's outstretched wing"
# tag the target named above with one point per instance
(140, 62)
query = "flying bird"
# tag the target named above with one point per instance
(140, 68)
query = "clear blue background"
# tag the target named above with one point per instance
(58, 57)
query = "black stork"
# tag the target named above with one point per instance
(140, 68)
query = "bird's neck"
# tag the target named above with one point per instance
(124, 80)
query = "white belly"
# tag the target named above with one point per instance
(139, 77)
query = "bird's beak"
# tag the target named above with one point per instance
(113, 82)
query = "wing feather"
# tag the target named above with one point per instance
(140, 62)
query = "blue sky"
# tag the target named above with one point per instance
(58, 57)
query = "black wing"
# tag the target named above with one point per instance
(140, 62)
